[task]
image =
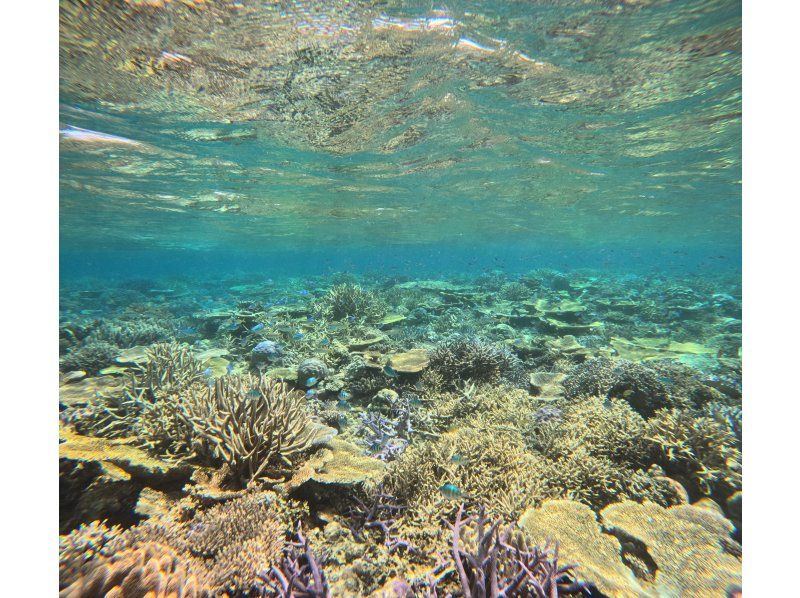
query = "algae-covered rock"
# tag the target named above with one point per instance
(409, 362)
(686, 544)
(134, 355)
(341, 463)
(83, 391)
(117, 457)
(580, 540)
(390, 320)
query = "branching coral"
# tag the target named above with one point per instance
(350, 301)
(300, 574)
(254, 425)
(133, 332)
(242, 537)
(91, 357)
(464, 358)
(607, 428)
(494, 469)
(698, 446)
(598, 481)
(641, 386)
(148, 406)
(82, 545)
(494, 567)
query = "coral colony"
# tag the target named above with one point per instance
(553, 434)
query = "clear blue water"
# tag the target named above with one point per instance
(491, 249)
(395, 136)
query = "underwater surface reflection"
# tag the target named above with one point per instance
(380, 299)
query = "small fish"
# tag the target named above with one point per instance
(458, 459)
(389, 371)
(257, 327)
(324, 342)
(253, 393)
(351, 318)
(298, 336)
(208, 372)
(310, 318)
(311, 393)
(187, 330)
(343, 405)
(344, 395)
(311, 381)
(303, 292)
(233, 326)
(451, 491)
(229, 368)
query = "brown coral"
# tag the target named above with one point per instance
(700, 447)
(686, 544)
(151, 570)
(252, 424)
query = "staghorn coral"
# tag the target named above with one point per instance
(349, 300)
(702, 448)
(168, 368)
(494, 567)
(148, 570)
(465, 358)
(300, 574)
(133, 332)
(148, 406)
(242, 537)
(640, 385)
(91, 357)
(252, 424)
(494, 469)
(604, 428)
(598, 481)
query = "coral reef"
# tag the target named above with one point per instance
(639, 385)
(204, 461)
(254, 425)
(690, 548)
(470, 359)
(702, 448)
(495, 568)
(90, 357)
(574, 527)
(348, 300)
(147, 570)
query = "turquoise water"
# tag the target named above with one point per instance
(471, 263)
(552, 128)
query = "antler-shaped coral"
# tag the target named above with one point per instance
(254, 424)
(499, 570)
(300, 574)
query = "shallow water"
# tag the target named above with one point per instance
(554, 185)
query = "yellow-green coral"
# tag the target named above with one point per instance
(685, 542)
(575, 528)
(252, 424)
(493, 469)
(700, 447)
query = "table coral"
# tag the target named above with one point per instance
(686, 544)
(575, 528)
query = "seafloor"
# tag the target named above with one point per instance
(549, 434)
